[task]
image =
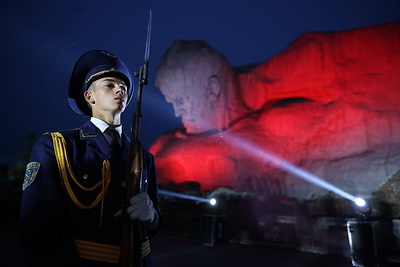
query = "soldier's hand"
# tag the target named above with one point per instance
(141, 207)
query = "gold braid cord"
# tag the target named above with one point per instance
(64, 166)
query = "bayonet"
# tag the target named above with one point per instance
(148, 39)
(143, 76)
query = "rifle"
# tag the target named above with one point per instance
(134, 240)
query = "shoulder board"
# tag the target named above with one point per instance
(62, 131)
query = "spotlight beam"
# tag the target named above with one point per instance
(268, 156)
(184, 196)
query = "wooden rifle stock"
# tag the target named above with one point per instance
(134, 232)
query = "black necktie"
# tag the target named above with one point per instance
(114, 138)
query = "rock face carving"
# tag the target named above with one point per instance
(328, 103)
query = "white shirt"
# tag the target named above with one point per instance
(102, 125)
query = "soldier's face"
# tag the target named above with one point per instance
(108, 94)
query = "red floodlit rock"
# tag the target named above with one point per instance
(328, 104)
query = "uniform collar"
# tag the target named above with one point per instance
(102, 125)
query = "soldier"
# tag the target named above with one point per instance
(74, 183)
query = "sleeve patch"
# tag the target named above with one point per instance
(32, 170)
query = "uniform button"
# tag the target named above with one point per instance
(85, 176)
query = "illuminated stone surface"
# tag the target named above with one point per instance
(329, 103)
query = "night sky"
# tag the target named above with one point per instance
(41, 41)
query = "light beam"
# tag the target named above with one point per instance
(268, 156)
(212, 201)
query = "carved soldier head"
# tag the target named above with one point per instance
(200, 84)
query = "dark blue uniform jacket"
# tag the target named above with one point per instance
(50, 220)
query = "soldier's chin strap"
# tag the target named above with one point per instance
(67, 174)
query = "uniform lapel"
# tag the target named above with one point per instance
(96, 140)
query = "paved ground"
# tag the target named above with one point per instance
(178, 251)
(175, 251)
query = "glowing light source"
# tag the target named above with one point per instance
(362, 207)
(360, 202)
(213, 201)
(184, 196)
